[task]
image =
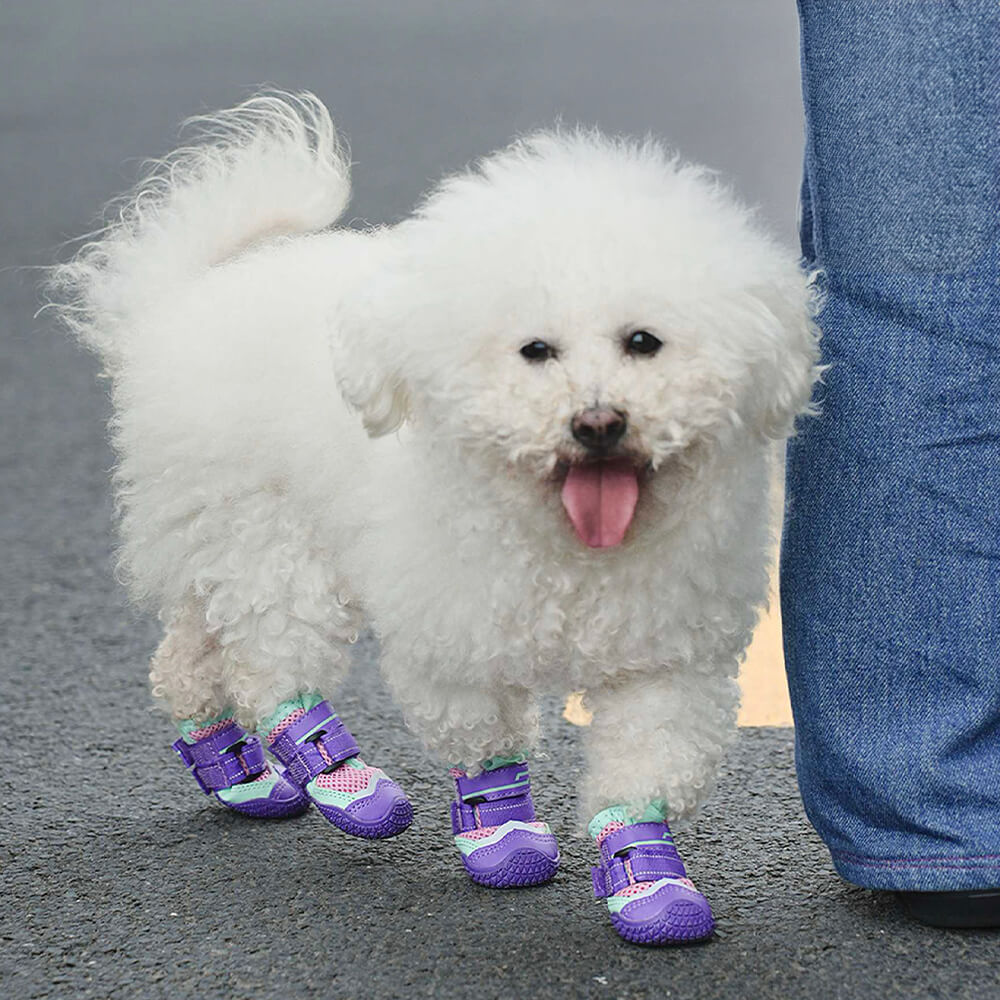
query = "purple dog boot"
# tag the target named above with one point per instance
(229, 763)
(493, 819)
(321, 756)
(650, 898)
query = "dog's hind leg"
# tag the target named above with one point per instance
(653, 749)
(282, 619)
(187, 673)
(264, 635)
(186, 670)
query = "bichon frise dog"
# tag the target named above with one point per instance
(525, 435)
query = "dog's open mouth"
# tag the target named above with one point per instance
(600, 499)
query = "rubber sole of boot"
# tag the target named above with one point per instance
(263, 809)
(678, 921)
(521, 868)
(391, 825)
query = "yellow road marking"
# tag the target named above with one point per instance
(762, 680)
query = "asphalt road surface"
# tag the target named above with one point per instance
(118, 878)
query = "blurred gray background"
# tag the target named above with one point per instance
(117, 878)
(90, 87)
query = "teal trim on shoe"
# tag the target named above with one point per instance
(248, 791)
(493, 763)
(304, 700)
(613, 814)
(654, 812)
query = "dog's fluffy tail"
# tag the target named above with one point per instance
(271, 166)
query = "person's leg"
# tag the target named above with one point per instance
(891, 548)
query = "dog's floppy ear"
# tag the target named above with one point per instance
(369, 350)
(381, 397)
(784, 354)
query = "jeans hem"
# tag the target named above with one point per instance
(925, 874)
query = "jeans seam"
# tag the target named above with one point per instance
(957, 861)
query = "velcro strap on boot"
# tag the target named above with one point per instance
(223, 759)
(644, 836)
(641, 852)
(492, 798)
(599, 882)
(313, 744)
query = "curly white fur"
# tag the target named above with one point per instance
(266, 526)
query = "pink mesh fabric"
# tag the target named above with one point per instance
(479, 833)
(636, 887)
(609, 829)
(633, 888)
(215, 727)
(346, 779)
(485, 831)
(285, 723)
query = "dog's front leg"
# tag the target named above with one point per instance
(485, 731)
(653, 750)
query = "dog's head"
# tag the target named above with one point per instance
(580, 310)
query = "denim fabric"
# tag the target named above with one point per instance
(891, 549)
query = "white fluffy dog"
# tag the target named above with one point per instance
(570, 367)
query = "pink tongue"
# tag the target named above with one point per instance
(600, 498)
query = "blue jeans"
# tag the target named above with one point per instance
(890, 570)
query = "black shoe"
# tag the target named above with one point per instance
(970, 908)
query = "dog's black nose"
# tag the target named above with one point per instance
(599, 428)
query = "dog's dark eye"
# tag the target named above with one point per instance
(642, 342)
(537, 350)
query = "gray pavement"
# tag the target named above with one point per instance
(118, 879)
